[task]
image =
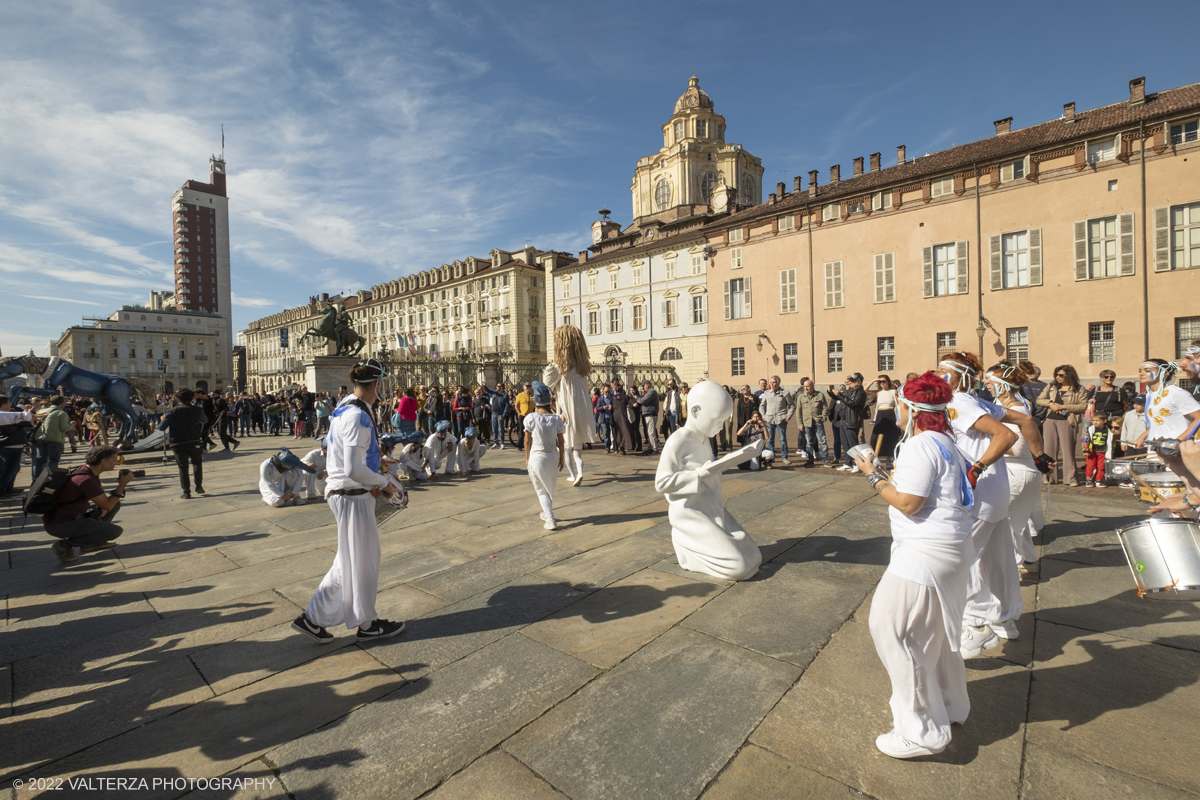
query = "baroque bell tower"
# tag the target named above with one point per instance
(681, 178)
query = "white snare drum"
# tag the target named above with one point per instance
(1164, 556)
(1165, 483)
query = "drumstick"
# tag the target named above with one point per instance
(1138, 478)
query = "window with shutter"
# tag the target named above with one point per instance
(1125, 229)
(1181, 235)
(833, 284)
(927, 271)
(962, 267)
(735, 258)
(787, 291)
(1035, 256)
(885, 277)
(746, 296)
(1014, 260)
(787, 222)
(1162, 239)
(735, 235)
(829, 212)
(945, 270)
(1081, 251)
(941, 187)
(1102, 247)
(726, 290)
(881, 200)
(995, 263)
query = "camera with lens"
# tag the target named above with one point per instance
(137, 473)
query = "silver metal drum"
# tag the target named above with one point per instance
(1164, 556)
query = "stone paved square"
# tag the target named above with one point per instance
(580, 663)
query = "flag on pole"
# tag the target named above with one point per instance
(222, 139)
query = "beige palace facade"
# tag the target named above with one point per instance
(1074, 241)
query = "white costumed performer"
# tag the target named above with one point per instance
(441, 450)
(706, 536)
(918, 605)
(567, 378)
(470, 450)
(313, 483)
(346, 595)
(544, 451)
(280, 479)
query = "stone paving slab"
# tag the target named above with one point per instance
(279, 542)
(607, 563)
(1105, 599)
(661, 725)
(221, 588)
(412, 740)
(465, 580)
(1051, 775)
(24, 640)
(99, 713)
(609, 625)
(497, 776)
(843, 698)
(762, 775)
(456, 631)
(782, 612)
(1118, 702)
(218, 735)
(94, 662)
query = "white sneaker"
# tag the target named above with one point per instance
(843, 468)
(976, 640)
(551, 525)
(894, 745)
(1032, 568)
(855, 469)
(1006, 629)
(299, 501)
(578, 480)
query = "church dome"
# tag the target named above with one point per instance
(694, 97)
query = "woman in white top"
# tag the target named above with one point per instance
(885, 433)
(918, 606)
(567, 377)
(994, 592)
(1170, 410)
(1024, 479)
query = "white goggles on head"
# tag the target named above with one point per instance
(964, 372)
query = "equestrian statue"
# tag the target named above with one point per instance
(335, 326)
(117, 395)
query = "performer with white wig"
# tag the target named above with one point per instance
(918, 605)
(346, 595)
(567, 377)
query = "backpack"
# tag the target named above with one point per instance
(42, 497)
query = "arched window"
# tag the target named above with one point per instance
(707, 184)
(662, 194)
(671, 354)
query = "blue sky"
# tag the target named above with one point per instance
(367, 140)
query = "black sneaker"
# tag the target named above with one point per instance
(185, 496)
(199, 489)
(381, 629)
(302, 625)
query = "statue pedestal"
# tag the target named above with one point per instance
(327, 373)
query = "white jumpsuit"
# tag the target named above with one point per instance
(346, 595)
(543, 457)
(310, 482)
(274, 484)
(442, 454)
(918, 606)
(468, 457)
(706, 536)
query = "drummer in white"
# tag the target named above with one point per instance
(918, 605)
(1170, 410)
(994, 590)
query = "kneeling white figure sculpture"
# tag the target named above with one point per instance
(706, 536)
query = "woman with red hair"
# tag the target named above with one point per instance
(994, 592)
(917, 612)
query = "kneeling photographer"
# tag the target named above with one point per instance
(72, 521)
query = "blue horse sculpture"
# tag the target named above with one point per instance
(115, 393)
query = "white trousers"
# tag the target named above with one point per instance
(309, 486)
(543, 472)
(994, 586)
(1024, 494)
(929, 680)
(446, 462)
(293, 482)
(346, 595)
(573, 457)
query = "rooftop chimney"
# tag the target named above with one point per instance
(812, 181)
(900, 155)
(1003, 126)
(875, 157)
(858, 165)
(1137, 91)
(1068, 113)
(771, 199)
(796, 187)
(583, 256)
(835, 173)
(325, 296)
(779, 190)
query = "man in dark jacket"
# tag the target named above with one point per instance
(183, 425)
(854, 409)
(648, 402)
